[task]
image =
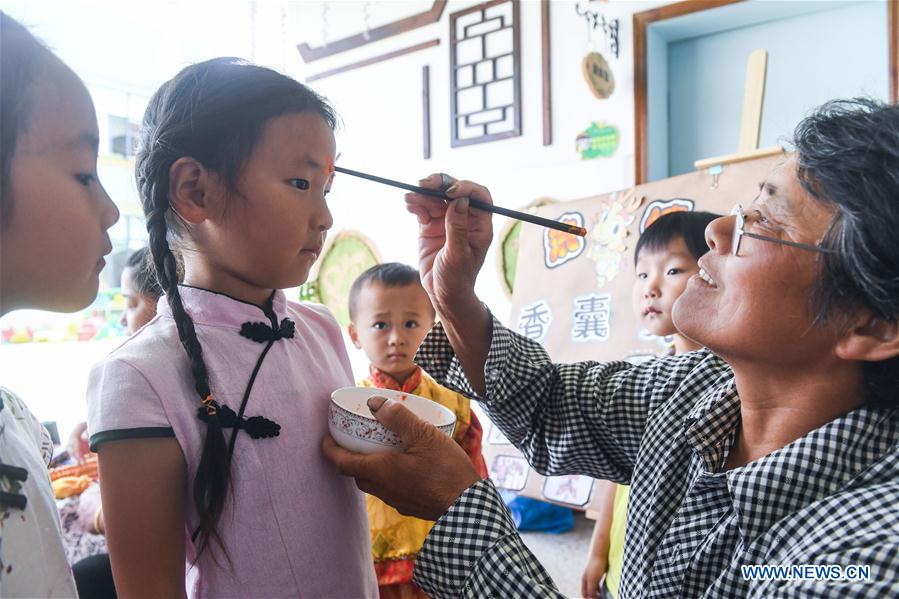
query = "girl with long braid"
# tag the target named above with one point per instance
(208, 421)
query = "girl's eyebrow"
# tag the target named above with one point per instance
(86, 139)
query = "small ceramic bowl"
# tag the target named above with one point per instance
(353, 427)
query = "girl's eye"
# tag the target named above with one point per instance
(379, 326)
(641, 275)
(85, 179)
(411, 324)
(674, 271)
(299, 183)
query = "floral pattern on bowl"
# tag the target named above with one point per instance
(362, 433)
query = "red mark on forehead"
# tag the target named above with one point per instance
(330, 166)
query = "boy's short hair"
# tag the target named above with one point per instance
(144, 274)
(389, 274)
(689, 226)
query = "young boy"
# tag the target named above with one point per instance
(390, 314)
(664, 259)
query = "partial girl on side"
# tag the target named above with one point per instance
(54, 217)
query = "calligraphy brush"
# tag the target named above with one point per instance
(441, 193)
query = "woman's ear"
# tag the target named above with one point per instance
(869, 339)
(189, 190)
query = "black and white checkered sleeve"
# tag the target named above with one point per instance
(582, 418)
(474, 551)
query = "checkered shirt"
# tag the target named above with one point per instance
(830, 498)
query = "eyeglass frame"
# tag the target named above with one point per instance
(740, 231)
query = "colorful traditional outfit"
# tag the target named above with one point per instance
(396, 539)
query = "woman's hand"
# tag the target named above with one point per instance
(453, 241)
(423, 480)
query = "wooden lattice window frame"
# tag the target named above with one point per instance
(455, 89)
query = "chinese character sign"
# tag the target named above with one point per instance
(591, 317)
(535, 320)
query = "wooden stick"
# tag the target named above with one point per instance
(437, 193)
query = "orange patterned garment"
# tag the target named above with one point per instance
(397, 539)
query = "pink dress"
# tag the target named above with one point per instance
(292, 526)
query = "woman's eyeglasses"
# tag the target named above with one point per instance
(740, 231)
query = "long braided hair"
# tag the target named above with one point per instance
(213, 112)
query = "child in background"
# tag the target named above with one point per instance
(54, 217)
(664, 260)
(208, 421)
(391, 314)
(141, 291)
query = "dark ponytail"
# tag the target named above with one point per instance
(212, 112)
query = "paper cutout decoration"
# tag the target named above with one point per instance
(535, 320)
(346, 256)
(598, 75)
(591, 319)
(496, 436)
(662, 207)
(607, 236)
(509, 472)
(507, 256)
(560, 247)
(572, 489)
(599, 140)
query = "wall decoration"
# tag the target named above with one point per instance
(535, 320)
(661, 207)
(547, 75)
(345, 256)
(507, 256)
(509, 472)
(560, 247)
(607, 236)
(572, 489)
(309, 54)
(426, 112)
(598, 75)
(373, 60)
(599, 140)
(609, 27)
(485, 84)
(591, 318)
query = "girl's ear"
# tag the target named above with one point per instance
(189, 190)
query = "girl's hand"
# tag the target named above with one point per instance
(77, 445)
(453, 241)
(592, 576)
(424, 480)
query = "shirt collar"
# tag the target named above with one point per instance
(711, 424)
(382, 380)
(217, 309)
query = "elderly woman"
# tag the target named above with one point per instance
(777, 445)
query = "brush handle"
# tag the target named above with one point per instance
(478, 204)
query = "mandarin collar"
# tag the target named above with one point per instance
(213, 308)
